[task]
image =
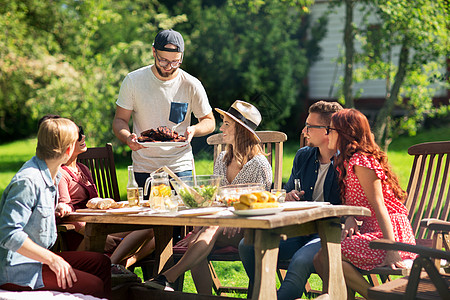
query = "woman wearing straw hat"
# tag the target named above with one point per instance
(243, 161)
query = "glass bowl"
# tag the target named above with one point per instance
(206, 185)
(230, 194)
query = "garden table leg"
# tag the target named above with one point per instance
(330, 235)
(266, 255)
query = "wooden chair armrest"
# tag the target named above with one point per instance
(64, 227)
(435, 224)
(387, 271)
(421, 250)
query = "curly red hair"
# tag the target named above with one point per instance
(354, 135)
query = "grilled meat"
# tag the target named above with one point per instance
(161, 134)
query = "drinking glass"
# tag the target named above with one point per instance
(141, 195)
(280, 194)
(171, 203)
(297, 185)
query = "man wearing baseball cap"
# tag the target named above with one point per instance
(162, 94)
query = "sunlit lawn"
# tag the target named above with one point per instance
(13, 155)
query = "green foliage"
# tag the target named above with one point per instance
(69, 57)
(404, 43)
(257, 55)
(24, 53)
(420, 28)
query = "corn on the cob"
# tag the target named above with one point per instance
(248, 199)
(259, 205)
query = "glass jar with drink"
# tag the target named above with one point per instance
(132, 189)
(160, 191)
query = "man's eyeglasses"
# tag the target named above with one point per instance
(308, 126)
(164, 62)
(80, 133)
(327, 128)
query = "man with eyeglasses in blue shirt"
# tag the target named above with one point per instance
(313, 167)
(162, 94)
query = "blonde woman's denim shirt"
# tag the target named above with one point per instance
(27, 209)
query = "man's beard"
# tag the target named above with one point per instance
(166, 73)
(309, 143)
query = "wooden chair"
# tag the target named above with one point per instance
(428, 197)
(431, 284)
(441, 237)
(302, 140)
(272, 144)
(100, 161)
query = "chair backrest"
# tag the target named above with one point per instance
(302, 140)
(272, 144)
(429, 184)
(100, 161)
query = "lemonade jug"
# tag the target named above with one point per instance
(160, 190)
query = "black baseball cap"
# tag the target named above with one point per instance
(169, 36)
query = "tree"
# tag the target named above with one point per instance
(349, 37)
(25, 62)
(256, 51)
(69, 57)
(419, 29)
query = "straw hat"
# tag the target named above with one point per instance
(245, 114)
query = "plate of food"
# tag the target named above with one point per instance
(256, 211)
(161, 136)
(203, 211)
(299, 205)
(257, 203)
(163, 144)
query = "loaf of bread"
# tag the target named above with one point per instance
(100, 203)
(119, 204)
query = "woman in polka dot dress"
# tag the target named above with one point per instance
(366, 180)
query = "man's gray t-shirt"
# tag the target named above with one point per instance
(155, 103)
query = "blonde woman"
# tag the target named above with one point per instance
(28, 226)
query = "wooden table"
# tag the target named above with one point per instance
(264, 232)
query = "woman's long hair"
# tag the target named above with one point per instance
(354, 135)
(247, 146)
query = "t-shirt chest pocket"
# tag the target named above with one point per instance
(178, 112)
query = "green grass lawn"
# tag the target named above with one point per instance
(14, 154)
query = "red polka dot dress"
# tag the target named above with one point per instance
(356, 249)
